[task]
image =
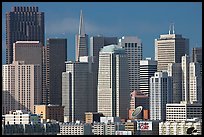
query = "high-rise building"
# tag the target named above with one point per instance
(195, 82)
(77, 96)
(22, 82)
(81, 40)
(160, 95)
(174, 71)
(147, 69)
(96, 43)
(23, 24)
(133, 49)
(197, 56)
(55, 55)
(185, 60)
(169, 48)
(113, 83)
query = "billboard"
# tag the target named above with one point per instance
(123, 132)
(144, 125)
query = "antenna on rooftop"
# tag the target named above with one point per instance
(171, 28)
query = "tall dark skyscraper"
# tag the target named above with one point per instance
(81, 40)
(23, 24)
(55, 55)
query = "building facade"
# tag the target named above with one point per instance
(55, 55)
(21, 86)
(113, 87)
(91, 117)
(133, 49)
(183, 111)
(147, 69)
(160, 95)
(23, 24)
(169, 48)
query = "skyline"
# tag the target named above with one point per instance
(186, 17)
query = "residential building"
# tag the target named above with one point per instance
(133, 49)
(147, 69)
(55, 55)
(23, 24)
(50, 112)
(21, 86)
(21, 117)
(179, 127)
(160, 95)
(183, 111)
(169, 48)
(81, 40)
(113, 85)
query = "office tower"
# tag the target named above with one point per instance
(55, 55)
(147, 69)
(23, 83)
(23, 24)
(113, 83)
(133, 48)
(77, 94)
(197, 56)
(160, 95)
(183, 111)
(174, 71)
(138, 98)
(195, 82)
(81, 40)
(185, 60)
(169, 48)
(96, 43)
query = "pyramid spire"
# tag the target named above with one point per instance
(81, 25)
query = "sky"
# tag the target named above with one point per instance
(146, 20)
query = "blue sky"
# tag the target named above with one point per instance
(147, 20)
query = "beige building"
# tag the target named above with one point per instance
(91, 117)
(169, 48)
(131, 126)
(50, 112)
(113, 85)
(21, 86)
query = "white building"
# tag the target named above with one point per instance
(179, 127)
(109, 119)
(169, 48)
(133, 48)
(147, 69)
(75, 129)
(174, 71)
(77, 95)
(98, 128)
(183, 111)
(113, 85)
(21, 117)
(21, 86)
(195, 82)
(160, 95)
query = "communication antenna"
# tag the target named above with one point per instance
(173, 28)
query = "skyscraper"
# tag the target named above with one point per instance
(197, 56)
(147, 69)
(133, 48)
(23, 24)
(22, 82)
(169, 48)
(77, 96)
(185, 60)
(174, 71)
(113, 83)
(81, 40)
(195, 83)
(160, 95)
(55, 55)
(96, 43)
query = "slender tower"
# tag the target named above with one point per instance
(81, 40)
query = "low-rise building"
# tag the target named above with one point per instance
(91, 117)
